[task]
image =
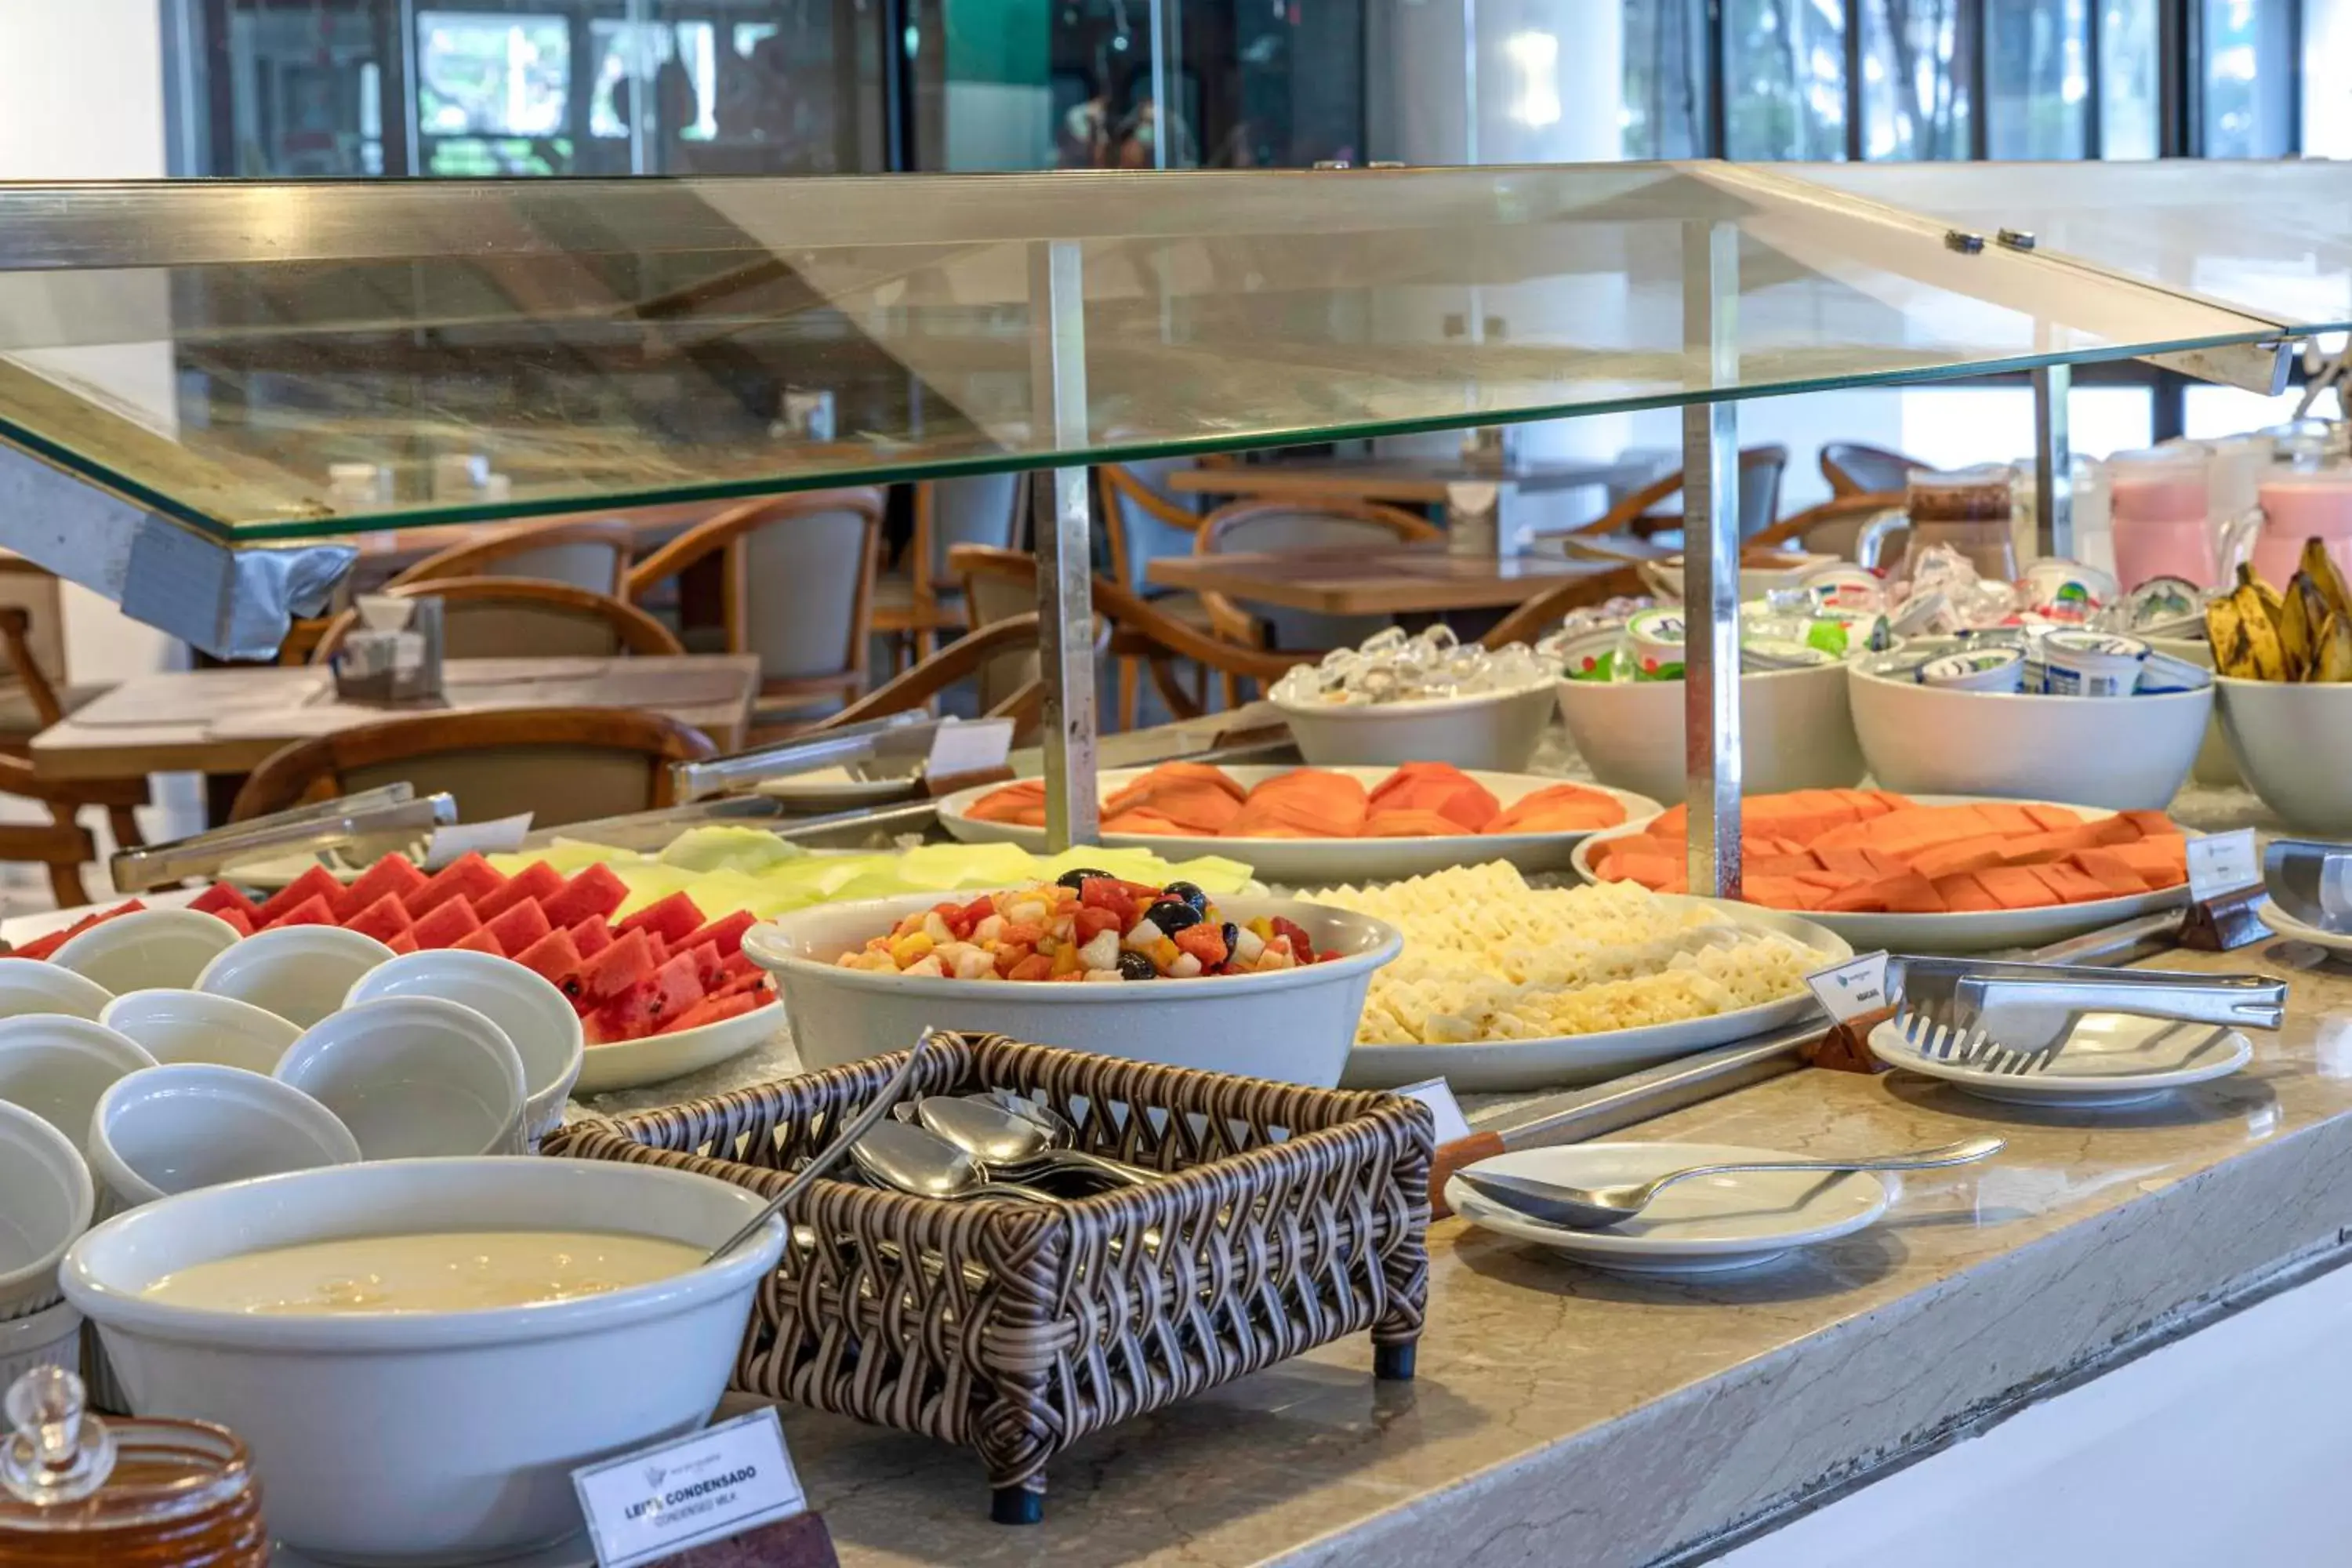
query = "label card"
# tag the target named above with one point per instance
(968, 746)
(1450, 1124)
(1851, 989)
(2221, 863)
(706, 1486)
(499, 835)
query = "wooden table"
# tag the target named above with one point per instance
(1398, 480)
(1409, 580)
(227, 721)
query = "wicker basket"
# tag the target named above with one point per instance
(1291, 1217)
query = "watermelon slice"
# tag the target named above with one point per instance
(312, 911)
(517, 927)
(223, 896)
(726, 931)
(479, 942)
(671, 919)
(537, 882)
(236, 920)
(446, 924)
(400, 941)
(590, 936)
(596, 891)
(753, 984)
(711, 1010)
(468, 877)
(616, 969)
(640, 1010)
(556, 958)
(394, 874)
(317, 882)
(657, 950)
(709, 968)
(383, 918)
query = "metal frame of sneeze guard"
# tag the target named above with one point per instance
(234, 603)
(370, 818)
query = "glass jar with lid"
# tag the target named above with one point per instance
(131, 1493)
(1970, 510)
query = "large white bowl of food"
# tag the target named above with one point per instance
(1796, 731)
(2293, 742)
(1426, 699)
(1267, 987)
(419, 1352)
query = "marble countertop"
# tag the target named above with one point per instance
(1648, 1421)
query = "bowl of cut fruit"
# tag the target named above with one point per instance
(1267, 987)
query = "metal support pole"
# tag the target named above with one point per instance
(1711, 558)
(2053, 461)
(1066, 617)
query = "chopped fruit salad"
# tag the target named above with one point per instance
(1089, 926)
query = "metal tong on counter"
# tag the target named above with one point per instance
(2012, 1017)
(364, 825)
(916, 749)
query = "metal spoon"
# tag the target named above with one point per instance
(929, 1166)
(827, 1157)
(1002, 1141)
(1593, 1209)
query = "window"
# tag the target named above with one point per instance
(2326, 85)
(1915, 87)
(2037, 77)
(1785, 94)
(2249, 54)
(2127, 90)
(1665, 78)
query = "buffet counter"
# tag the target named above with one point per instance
(1563, 1416)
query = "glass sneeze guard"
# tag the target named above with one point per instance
(211, 351)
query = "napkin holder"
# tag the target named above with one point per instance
(394, 655)
(2225, 921)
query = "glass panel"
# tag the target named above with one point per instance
(2127, 90)
(2272, 238)
(1785, 93)
(2326, 89)
(2248, 50)
(1915, 90)
(305, 90)
(2037, 77)
(595, 341)
(1664, 112)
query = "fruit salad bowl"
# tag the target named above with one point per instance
(1295, 1024)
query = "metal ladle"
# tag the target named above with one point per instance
(1002, 1140)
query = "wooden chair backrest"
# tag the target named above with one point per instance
(590, 553)
(522, 617)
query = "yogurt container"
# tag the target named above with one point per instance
(1655, 641)
(1779, 653)
(1842, 588)
(2161, 672)
(1978, 669)
(2091, 664)
(1594, 654)
(2067, 592)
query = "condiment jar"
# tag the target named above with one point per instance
(134, 1493)
(1969, 509)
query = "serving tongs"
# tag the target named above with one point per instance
(2014, 1017)
(909, 744)
(366, 825)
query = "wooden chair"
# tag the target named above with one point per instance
(520, 617)
(561, 764)
(1142, 520)
(1548, 608)
(1853, 468)
(1760, 469)
(119, 798)
(969, 658)
(798, 592)
(587, 552)
(913, 606)
(1253, 527)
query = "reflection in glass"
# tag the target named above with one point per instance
(1665, 78)
(2249, 51)
(2127, 90)
(1785, 94)
(2037, 77)
(2326, 85)
(1915, 90)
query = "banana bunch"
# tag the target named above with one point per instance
(2303, 634)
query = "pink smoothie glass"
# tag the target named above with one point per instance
(2161, 511)
(2294, 507)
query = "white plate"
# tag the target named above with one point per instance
(632, 1064)
(2111, 1058)
(837, 789)
(2286, 925)
(1981, 930)
(1708, 1224)
(1322, 862)
(1497, 1067)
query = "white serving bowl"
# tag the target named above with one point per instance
(45, 1201)
(57, 1067)
(536, 1017)
(198, 1026)
(300, 973)
(1796, 732)
(167, 1130)
(1296, 1026)
(414, 1076)
(146, 948)
(51, 1337)
(2293, 742)
(429, 1437)
(1498, 733)
(2127, 753)
(2215, 766)
(37, 986)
